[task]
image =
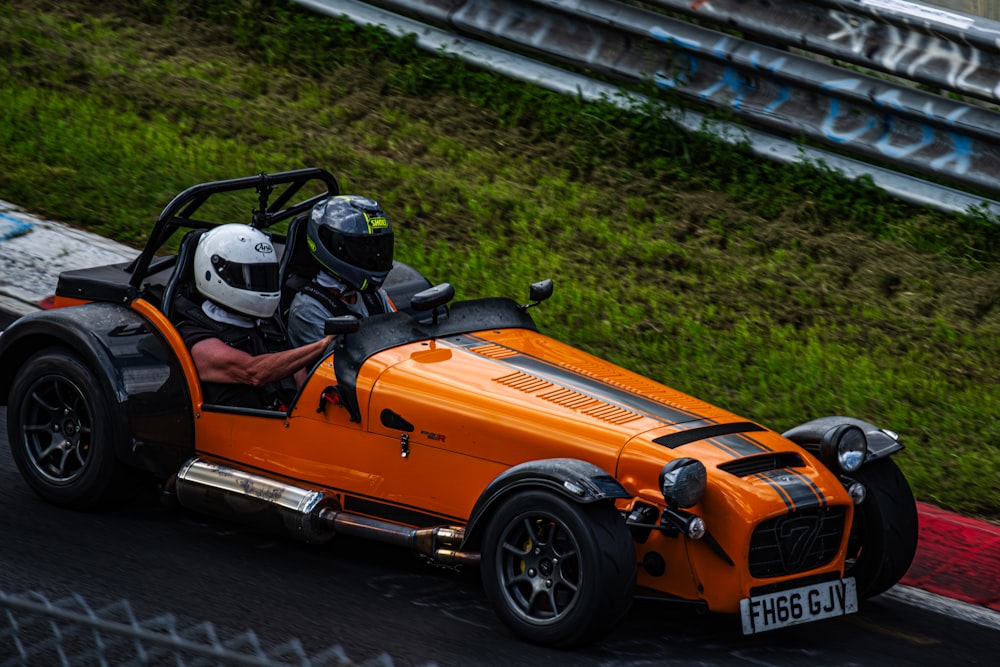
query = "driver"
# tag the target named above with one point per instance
(351, 239)
(237, 345)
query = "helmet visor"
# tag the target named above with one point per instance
(370, 253)
(256, 277)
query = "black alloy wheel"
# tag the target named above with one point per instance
(60, 431)
(558, 573)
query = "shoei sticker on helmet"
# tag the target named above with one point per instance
(352, 238)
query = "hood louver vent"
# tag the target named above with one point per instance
(526, 383)
(568, 398)
(493, 351)
(637, 383)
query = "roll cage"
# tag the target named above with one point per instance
(180, 212)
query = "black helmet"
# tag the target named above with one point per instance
(350, 236)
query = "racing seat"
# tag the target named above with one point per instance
(297, 266)
(180, 286)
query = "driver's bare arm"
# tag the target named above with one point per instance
(218, 362)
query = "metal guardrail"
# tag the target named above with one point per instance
(929, 45)
(69, 631)
(986, 8)
(882, 124)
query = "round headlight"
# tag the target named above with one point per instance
(682, 482)
(844, 448)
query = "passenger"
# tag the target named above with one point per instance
(351, 239)
(239, 348)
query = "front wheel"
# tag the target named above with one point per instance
(883, 537)
(558, 573)
(60, 431)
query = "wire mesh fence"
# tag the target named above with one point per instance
(69, 632)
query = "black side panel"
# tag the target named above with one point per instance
(100, 283)
(109, 282)
(139, 371)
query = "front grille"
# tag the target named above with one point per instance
(796, 542)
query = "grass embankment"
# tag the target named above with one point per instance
(779, 293)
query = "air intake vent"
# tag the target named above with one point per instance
(680, 438)
(752, 465)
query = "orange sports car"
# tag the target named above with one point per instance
(457, 430)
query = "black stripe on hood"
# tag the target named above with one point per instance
(585, 384)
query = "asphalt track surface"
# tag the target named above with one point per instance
(374, 600)
(380, 601)
(377, 601)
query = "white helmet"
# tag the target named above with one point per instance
(236, 267)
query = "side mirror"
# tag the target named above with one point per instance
(341, 324)
(541, 290)
(432, 297)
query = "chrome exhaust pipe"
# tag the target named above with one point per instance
(255, 500)
(439, 543)
(307, 515)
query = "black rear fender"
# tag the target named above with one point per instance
(137, 369)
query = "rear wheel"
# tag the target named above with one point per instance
(883, 537)
(558, 573)
(60, 432)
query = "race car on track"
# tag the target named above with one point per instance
(458, 430)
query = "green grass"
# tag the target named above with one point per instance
(781, 293)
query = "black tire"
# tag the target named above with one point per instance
(884, 535)
(558, 573)
(60, 431)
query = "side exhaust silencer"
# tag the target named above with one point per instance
(254, 500)
(305, 514)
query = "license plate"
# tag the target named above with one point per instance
(798, 605)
